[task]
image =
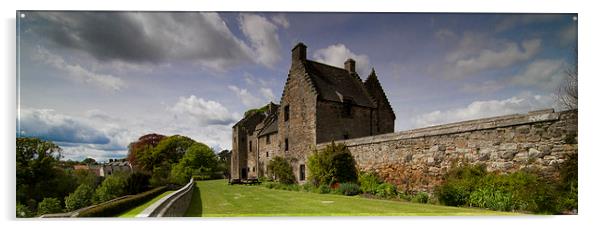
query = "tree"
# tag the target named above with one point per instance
(49, 205)
(198, 158)
(331, 165)
(112, 187)
(36, 160)
(89, 161)
(281, 170)
(137, 183)
(169, 150)
(82, 197)
(144, 144)
(568, 91)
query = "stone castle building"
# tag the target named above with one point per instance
(320, 103)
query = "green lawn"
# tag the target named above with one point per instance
(218, 199)
(137, 210)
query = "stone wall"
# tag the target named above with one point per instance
(416, 160)
(267, 151)
(332, 125)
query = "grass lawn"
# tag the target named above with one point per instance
(216, 198)
(137, 210)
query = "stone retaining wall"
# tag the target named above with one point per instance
(173, 205)
(416, 160)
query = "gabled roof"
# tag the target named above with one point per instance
(372, 85)
(337, 84)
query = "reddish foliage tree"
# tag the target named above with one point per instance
(145, 142)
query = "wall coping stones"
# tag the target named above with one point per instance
(172, 202)
(457, 127)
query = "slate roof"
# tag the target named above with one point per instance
(336, 84)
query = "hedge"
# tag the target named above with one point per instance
(109, 209)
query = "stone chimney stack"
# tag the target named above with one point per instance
(299, 52)
(350, 65)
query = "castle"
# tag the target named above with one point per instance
(320, 103)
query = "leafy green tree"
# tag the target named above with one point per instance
(82, 197)
(137, 183)
(331, 165)
(281, 170)
(169, 150)
(86, 177)
(112, 187)
(89, 161)
(35, 169)
(199, 157)
(49, 205)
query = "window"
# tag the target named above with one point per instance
(250, 145)
(267, 154)
(345, 136)
(301, 172)
(253, 168)
(286, 144)
(347, 108)
(286, 113)
(267, 139)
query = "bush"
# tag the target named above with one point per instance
(348, 189)
(459, 183)
(281, 170)
(421, 197)
(386, 190)
(269, 184)
(81, 197)
(112, 187)
(569, 183)
(308, 187)
(369, 182)
(492, 199)
(323, 189)
(334, 164)
(119, 206)
(23, 211)
(49, 205)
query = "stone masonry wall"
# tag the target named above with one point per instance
(416, 160)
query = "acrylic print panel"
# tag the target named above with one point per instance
(227, 114)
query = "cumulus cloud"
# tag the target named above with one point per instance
(202, 112)
(267, 93)
(76, 72)
(482, 109)
(546, 74)
(337, 54)
(247, 98)
(263, 36)
(143, 37)
(49, 125)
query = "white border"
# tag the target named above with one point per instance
(589, 38)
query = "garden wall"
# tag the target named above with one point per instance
(416, 160)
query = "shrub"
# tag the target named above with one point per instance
(421, 197)
(348, 189)
(569, 183)
(269, 184)
(331, 165)
(323, 189)
(112, 187)
(81, 197)
(281, 170)
(49, 205)
(23, 211)
(369, 182)
(308, 187)
(386, 190)
(491, 198)
(119, 206)
(459, 183)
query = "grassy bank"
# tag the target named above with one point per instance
(216, 198)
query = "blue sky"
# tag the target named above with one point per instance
(94, 82)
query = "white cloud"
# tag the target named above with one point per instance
(267, 93)
(512, 21)
(281, 20)
(248, 99)
(483, 109)
(486, 59)
(201, 111)
(337, 54)
(263, 36)
(76, 72)
(488, 86)
(546, 74)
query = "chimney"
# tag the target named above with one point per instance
(299, 52)
(350, 65)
